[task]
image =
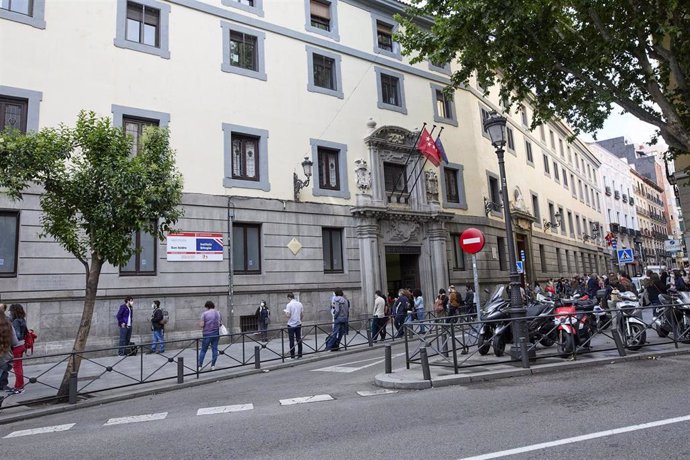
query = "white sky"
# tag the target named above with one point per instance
(634, 130)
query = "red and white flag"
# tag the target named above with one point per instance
(428, 147)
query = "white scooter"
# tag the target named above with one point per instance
(632, 329)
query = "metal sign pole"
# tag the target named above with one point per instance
(476, 287)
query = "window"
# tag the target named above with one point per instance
(13, 113)
(523, 113)
(542, 257)
(135, 127)
(553, 140)
(560, 147)
(324, 72)
(579, 183)
(559, 263)
(552, 216)
(395, 177)
(501, 244)
(567, 261)
(565, 178)
(444, 107)
(561, 219)
(31, 12)
(577, 225)
(143, 26)
(330, 159)
(143, 262)
(453, 186)
(246, 157)
(384, 28)
(535, 209)
(494, 192)
(243, 51)
(556, 177)
(572, 188)
(390, 90)
(570, 224)
(483, 115)
(570, 155)
(322, 17)
(528, 149)
(9, 243)
(246, 248)
(511, 140)
(458, 253)
(19, 108)
(332, 250)
(546, 164)
(542, 133)
(251, 6)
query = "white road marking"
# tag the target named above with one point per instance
(136, 419)
(306, 399)
(224, 409)
(345, 369)
(584, 437)
(376, 392)
(45, 429)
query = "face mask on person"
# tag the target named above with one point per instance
(153, 306)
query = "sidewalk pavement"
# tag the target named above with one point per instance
(480, 368)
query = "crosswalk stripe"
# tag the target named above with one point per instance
(45, 429)
(224, 409)
(136, 419)
(305, 399)
(376, 392)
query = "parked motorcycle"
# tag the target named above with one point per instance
(573, 326)
(628, 321)
(539, 325)
(673, 316)
(491, 311)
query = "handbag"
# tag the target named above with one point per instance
(222, 330)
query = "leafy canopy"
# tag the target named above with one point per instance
(95, 193)
(575, 58)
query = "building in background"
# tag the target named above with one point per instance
(257, 95)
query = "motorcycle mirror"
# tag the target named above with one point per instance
(487, 290)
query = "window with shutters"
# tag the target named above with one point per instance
(384, 28)
(320, 14)
(444, 107)
(143, 26)
(322, 17)
(384, 36)
(13, 113)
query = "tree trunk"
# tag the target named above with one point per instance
(93, 273)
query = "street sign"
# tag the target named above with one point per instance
(522, 254)
(673, 245)
(625, 256)
(520, 266)
(472, 241)
(614, 243)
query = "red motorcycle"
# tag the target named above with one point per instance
(572, 324)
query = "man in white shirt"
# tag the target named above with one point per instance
(293, 311)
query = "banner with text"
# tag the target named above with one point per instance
(193, 246)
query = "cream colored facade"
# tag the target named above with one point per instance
(79, 56)
(652, 218)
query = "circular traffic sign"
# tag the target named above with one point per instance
(472, 241)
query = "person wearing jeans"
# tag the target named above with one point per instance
(341, 314)
(124, 322)
(158, 328)
(210, 324)
(293, 311)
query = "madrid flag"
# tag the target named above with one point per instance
(427, 146)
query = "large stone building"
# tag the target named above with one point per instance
(249, 89)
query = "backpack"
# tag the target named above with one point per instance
(438, 305)
(29, 339)
(454, 299)
(166, 317)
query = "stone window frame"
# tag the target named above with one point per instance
(257, 9)
(121, 41)
(402, 108)
(536, 212)
(18, 215)
(333, 34)
(460, 179)
(531, 152)
(120, 111)
(33, 106)
(37, 18)
(445, 69)
(337, 69)
(262, 134)
(453, 119)
(343, 249)
(396, 53)
(489, 176)
(260, 73)
(459, 261)
(344, 191)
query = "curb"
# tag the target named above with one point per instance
(20, 412)
(398, 381)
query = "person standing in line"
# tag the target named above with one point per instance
(293, 312)
(8, 340)
(380, 319)
(158, 328)
(419, 308)
(210, 324)
(341, 315)
(19, 325)
(263, 318)
(400, 312)
(124, 322)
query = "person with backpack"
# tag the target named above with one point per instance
(454, 304)
(263, 318)
(8, 340)
(341, 316)
(400, 308)
(441, 304)
(158, 322)
(20, 330)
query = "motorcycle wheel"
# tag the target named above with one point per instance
(548, 340)
(499, 344)
(661, 332)
(637, 337)
(483, 344)
(566, 344)
(680, 334)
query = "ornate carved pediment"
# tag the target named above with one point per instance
(392, 138)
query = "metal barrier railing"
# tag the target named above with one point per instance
(458, 342)
(102, 370)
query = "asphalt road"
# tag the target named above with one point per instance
(451, 422)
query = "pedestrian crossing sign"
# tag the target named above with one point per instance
(625, 256)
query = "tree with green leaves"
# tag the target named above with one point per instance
(572, 59)
(95, 195)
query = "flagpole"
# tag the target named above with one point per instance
(418, 158)
(427, 159)
(408, 157)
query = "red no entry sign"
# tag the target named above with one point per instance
(472, 241)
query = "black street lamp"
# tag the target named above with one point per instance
(494, 126)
